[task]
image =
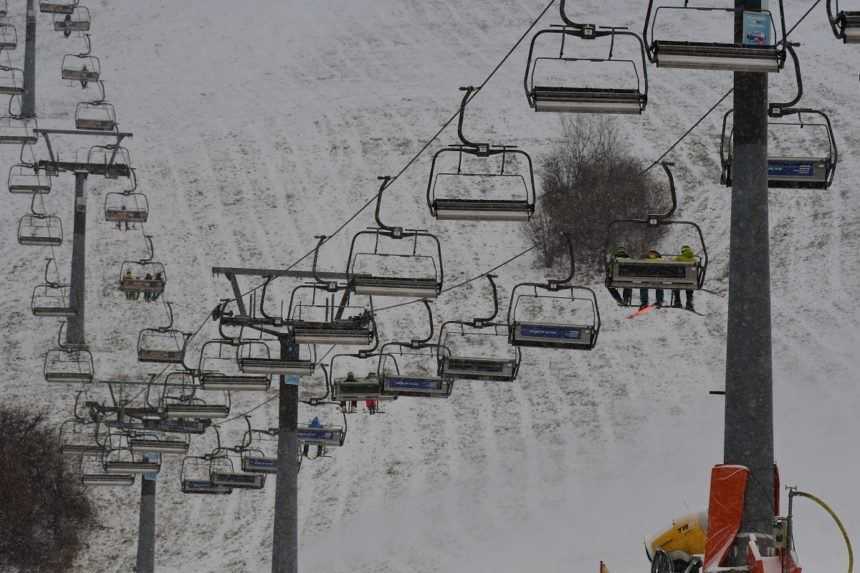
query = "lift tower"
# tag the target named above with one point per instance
(749, 384)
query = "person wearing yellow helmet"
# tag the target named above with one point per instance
(688, 256)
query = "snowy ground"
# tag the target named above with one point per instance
(260, 124)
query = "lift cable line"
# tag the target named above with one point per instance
(721, 100)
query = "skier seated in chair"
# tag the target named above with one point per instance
(652, 254)
(626, 294)
(687, 256)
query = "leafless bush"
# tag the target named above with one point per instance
(44, 513)
(589, 180)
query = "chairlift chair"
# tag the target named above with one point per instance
(194, 477)
(51, 300)
(222, 472)
(17, 131)
(4, 8)
(24, 179)
(761, 50)
(11, 81)
(845, 24)
(40, 230)
(163, 344)
(80, 68)
(814, 170)
(196, 409)
(123, 460)
(547, 94)
(414, 382)
(664, 273)
(95, 116)
(462, 174)
(477, 362)
(219, 369)
(69, 366)
(156, 445)
(116, 160)
(547, 316)
(126, 207)
(423, 275)
(78, 438)
(77, 21)
(143, 276)
(99, 479)
(255, 357)
(8, 36)
(325, 323)
(58, 7)
(259, 451)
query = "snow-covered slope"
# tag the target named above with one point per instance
(260, 124)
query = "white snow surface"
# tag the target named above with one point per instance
(260, 124)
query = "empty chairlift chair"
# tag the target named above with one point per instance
(809, 162)
(845, 24)
(220, 370)
(76, 21)
(391, 261)
(40, 230)
(115, 160)
(328, 321)
(557, 81)
(669, 272)
(8, 36)
(164, 344)
(93, 474)
(480, 182)
(24, 179)
(125, 461)
(11, 81)
(418, 377)
(58, 7)
(478, 349)
(222, 472)
(17, 131)
(194, 477)
(760, 50)
(51, 298)
(79, 437)
(555, 314)
(69, 365)
(256, 357)
(154, 444)
(259, 450)
(95, 116)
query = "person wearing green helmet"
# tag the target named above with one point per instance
(688, 256)
(643, 292)
(626, 295)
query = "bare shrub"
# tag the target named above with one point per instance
(589, 180)
(44, 512)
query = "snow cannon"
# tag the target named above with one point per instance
(684, 540)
